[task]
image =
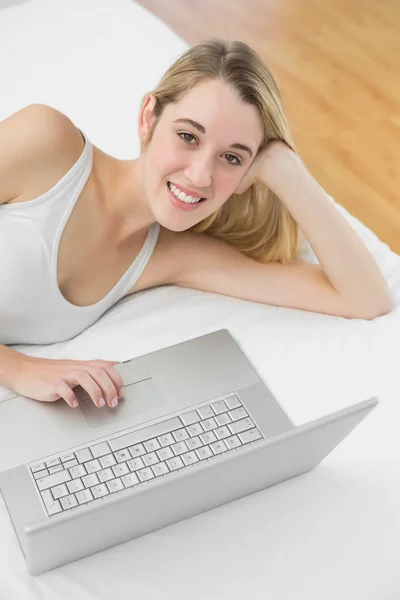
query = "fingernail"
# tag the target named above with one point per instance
(114, 402)
(75, 403)
(102, 402)
(121, 393)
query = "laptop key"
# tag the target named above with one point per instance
(83, 455)
(69, 502)
(107, 461)
(137, 450)
(135, 464)
(250, 435)
(105, 475)
(145, 474)
(77, 471)
(152, 445)
(208, 437)
(160, 469)
(204, 452)
(122, 455)
(233, 441)
(232, 402)
(166, 440)
(53, 462)
(190, 417)
(59, 491)
(175, 463)
(121, 469)
(115, 485)
(239, 426)
(180, 434)
(92, 466)
(47, 497)
(222, 432)
(68, 457)
(100, 490)
(39, 467)
(205, 412)
(52, 480)
(238, 413)
(130, 480)
(75, 485)
(41, 474)
(84, 496)
(90, 480)
(189, 458)
(194, 442)
(195, 429)
(54, 507)
(100, 449)
(209, 424)
(179, 448)
(150, 459)
(165, 453)
(218, 447)
(219, 407)
(223, 419)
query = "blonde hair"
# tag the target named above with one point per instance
(255, 222)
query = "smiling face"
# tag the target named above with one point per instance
(209, 159)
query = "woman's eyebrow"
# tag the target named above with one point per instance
(202, 129)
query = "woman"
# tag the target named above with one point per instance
(214, 127)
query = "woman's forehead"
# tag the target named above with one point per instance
(217, 108)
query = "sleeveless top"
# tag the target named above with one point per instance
(32, 307)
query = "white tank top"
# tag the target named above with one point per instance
(32, 307)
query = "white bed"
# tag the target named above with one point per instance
(333, 533)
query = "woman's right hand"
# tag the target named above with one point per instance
(48, 380)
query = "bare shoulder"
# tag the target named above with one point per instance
(37, 143)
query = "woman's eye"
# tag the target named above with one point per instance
(231, 155)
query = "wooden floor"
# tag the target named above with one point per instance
(337, 63)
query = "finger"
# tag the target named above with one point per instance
(116, 379)
(113, 374)
(65, 393)
(89, 384)
(101, 377)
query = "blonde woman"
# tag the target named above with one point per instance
(218, 200)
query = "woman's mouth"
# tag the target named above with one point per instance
(186, 203)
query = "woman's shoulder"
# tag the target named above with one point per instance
(41, 143)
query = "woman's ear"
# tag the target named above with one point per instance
(146, 114)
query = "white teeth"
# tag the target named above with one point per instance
(182, 196)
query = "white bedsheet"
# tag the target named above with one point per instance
(331, 533)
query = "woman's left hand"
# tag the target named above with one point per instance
(265, 165)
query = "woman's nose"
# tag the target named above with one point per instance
(199, 172)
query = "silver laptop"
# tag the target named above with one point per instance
(198, 428)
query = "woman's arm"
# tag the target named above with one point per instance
(10, 362)
(344, 258)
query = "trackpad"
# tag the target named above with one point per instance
(139, 396)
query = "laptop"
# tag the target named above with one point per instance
(197, 428)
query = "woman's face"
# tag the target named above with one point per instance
(200, 158)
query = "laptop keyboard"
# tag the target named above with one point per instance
(80, 476)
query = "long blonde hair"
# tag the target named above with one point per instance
(255, 222)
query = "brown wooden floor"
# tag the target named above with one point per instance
(337, 63)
